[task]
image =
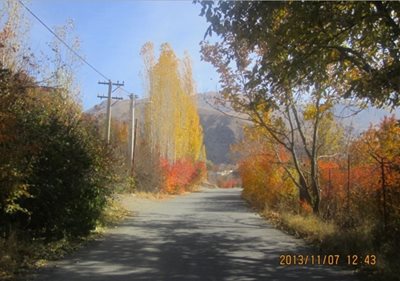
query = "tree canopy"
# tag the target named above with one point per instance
(353, 45)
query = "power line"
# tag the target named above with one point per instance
(69, 47)
(62, 41)
(123, 90)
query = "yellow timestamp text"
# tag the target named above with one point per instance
(291, 259)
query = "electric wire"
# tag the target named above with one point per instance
(63, 42)
(69, 47)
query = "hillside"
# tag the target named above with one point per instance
(220, 130)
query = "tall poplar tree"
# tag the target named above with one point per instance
(172, 121)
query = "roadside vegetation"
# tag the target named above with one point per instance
(59, 179)
(57, 176)
(290, 67)
(171, 155)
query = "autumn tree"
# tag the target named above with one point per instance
(382, 146)
(376, 155)
(175, 125)
(54, 170)
(287, 56)
(264, 179)
(301, 55)
(172, 122)
(298, 118)
(354, 43)
(14, 54)
(61, 65)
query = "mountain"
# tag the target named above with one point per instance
(220, 130)
(361, 120)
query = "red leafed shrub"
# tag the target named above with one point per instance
(181, 175)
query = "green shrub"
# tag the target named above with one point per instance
(55, 171)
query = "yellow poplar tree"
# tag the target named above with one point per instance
(172, 121)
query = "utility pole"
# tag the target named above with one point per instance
(132, 128)
(134, 144)
(109, 97)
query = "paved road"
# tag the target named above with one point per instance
(210, 235)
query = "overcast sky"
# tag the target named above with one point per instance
(112, 33)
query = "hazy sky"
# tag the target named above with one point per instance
(112, 33)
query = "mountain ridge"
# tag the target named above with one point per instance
(221, 130)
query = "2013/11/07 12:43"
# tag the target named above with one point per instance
(290, 259)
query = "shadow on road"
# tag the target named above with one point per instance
(205, 244)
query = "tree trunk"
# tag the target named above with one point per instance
(317, 199)
(304, 195)
(315, 189)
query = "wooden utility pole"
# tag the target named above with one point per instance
(134, 144)
(109, 97)
(132, 126)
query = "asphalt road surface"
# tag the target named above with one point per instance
(209, 235)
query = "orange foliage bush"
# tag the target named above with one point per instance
(356, 191)
(180, 176)
(265, 182)
(334, 178)
(338, 190)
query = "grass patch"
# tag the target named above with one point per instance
(325, 235)
(152, 195)
(309, 227)
(328, 238)
(112, 214)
